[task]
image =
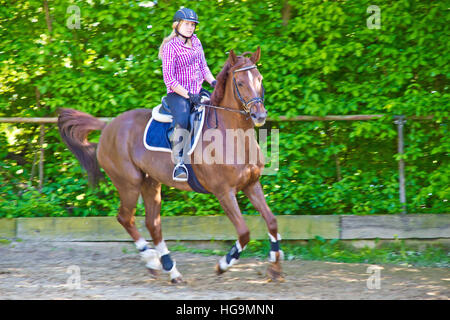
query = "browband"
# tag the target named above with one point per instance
(245, 68)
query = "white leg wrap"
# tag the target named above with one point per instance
(151, 257)
(272, 254)
(173, 273)
(273, 257)
(224, 266)
(238, 245)
(272, 239)
(162, 250)
(148, 255)
(141, 244)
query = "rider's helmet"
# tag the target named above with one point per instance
(185, 14)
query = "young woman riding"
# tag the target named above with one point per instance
(184, 70)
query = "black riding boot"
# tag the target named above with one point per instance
(180, 172)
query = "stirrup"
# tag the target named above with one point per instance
(181, 177)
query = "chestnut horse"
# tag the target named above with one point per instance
(236, 103)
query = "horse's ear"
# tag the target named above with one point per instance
(256, 56)
(232, 57)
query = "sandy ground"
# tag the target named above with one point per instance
(51, 270)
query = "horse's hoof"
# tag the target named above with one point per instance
(219, 271)
(274, 273)
(178, 280)
(153, 272)
(275, 277)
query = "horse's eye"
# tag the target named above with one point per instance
(240, 84)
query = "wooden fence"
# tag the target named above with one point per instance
(343, 227)
(398, 120)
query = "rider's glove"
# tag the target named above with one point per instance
(195, 99)
(213, 84)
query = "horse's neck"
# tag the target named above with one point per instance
(233, 120)
(236, 131)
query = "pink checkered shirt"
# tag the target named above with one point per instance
(184, 66)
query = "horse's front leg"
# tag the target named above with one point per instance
(255, 194)
(230, 206)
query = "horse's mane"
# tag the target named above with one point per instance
(219, 90)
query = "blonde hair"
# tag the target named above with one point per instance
(168, 38)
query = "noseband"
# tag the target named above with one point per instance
(246, 104)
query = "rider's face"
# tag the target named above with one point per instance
(186, 28)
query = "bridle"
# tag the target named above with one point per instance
(245, 104)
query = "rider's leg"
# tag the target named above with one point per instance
(180, 108)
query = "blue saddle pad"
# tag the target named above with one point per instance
(156, 139)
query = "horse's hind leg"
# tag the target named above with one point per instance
(129, 195)
(256, 196)
(151, 193)
(129, 191)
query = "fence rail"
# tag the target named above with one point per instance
(304, 227)
(398, 120)
(356, 117)
(37, 120)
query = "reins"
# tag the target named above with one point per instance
(215, 113)
(223, 108)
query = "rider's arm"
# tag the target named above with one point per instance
(168, 60)
(210, 78)
(168, 67)
(207, 75)
(181, 91)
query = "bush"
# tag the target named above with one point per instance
(318, 58)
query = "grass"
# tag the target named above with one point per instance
(206, 252)
(5, 241)
(396, 252)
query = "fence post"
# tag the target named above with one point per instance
(41, 159)
(400, 121)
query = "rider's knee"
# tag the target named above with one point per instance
(183, 112)
(183, 121)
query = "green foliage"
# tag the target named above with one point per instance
(318, 58)
(335, 250)
(390, 253)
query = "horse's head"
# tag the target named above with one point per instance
(244, 81)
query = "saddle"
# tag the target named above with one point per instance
(162, 114)
(160, 128)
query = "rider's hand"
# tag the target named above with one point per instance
(195, 98)
(213, 84)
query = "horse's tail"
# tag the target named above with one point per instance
(74, 128)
